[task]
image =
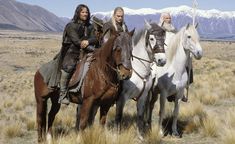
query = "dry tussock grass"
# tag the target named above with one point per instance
(210, 126)
(31, 124)
(154, 137)
(72, 138)
(93, 135)
(192, 109)
(227, 136)
(229, 118)
(13, 130)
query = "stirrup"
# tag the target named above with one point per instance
(63, 99)
(184, 99)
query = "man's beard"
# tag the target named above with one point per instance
(168, 27)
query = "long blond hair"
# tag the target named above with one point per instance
(113, 19)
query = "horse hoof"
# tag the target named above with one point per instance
(171, 98)
(176, 134)
(49, 139)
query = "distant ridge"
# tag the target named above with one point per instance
(19, 16)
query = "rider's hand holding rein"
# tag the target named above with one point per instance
(84, 44)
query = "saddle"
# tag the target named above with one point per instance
(79, 74)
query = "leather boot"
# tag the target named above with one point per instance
(64, 80)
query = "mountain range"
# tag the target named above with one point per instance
(213, 24)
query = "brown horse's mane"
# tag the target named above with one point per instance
(105, 52)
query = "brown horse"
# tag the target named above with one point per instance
(111, 64)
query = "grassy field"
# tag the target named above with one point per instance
(207, 118)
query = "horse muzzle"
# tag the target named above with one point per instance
(160, 59)
(124, 73)
(198, 55)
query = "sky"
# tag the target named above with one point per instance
(66, 8)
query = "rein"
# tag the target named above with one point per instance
(141, 59)
(144, 83)
(116, 70)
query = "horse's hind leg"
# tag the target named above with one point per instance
(55, 107)
(41, 118)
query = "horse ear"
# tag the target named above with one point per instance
(187, 26)
(131, 33)
(147, 25)
(196, 25)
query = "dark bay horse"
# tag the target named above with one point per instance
(111, 63)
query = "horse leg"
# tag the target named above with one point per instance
(103, 113)
(141, 109)
(175, 114)
(78, 116)
(85, 112)
(147, 113)
(92, 114)
(55, 107)
(119, 111)
(153, 99)
(162, 111)
(41, 117)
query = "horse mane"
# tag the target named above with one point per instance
(174, 44)
(104, 51)
(138, 35)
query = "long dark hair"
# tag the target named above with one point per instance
(77, 12)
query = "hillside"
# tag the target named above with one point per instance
(17, 15)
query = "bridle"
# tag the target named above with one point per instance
(153, 49)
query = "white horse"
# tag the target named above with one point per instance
(148, 48)
(172, 78)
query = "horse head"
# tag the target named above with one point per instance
(122, 53)
(191, 41)
(154, 40)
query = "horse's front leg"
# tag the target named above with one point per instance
(92, 114)
(85, 112)
(103, 113)
(176, 112)
(119, 111)
(141, 113)
(154, 97)
(55, 107)
(162, 111)
(78, 116)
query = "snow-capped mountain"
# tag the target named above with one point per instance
(212, 23)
